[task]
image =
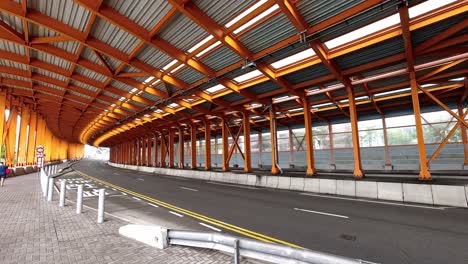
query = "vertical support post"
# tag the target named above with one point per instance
(79, 199)
(291, 147)
(247, 150)
(181, 147)
(149, 158)
(260, 149)
(10, 143)
(463, 135)
(155, 142)
(2, 114)
(424, 173)
(102, 195)
(163, 149)
(274, 143)
(171, 148)
(50, 188)
(143, 151)
(193, 146)
(388, 163)
(308, 137)
(207, 145)
(63, 185)
(224, 134)
(358, 172)
(23, 136)
(236, 252)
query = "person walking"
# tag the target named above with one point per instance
(3, 173)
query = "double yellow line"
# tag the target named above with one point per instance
(198, 216)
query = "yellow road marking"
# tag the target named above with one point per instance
(207, 219)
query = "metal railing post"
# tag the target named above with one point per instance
(50, 188)
(101, 206)
(79, 199)
(236, 251)
(62, 193)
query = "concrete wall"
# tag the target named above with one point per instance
(432, 194)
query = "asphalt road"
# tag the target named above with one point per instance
(369, 230)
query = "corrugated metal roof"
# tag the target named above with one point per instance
(13, 21)
(221, 58)
(182, 32)
(84, 85)
(375, 52)
(51, 74)
(154, 57)
(111, 62)
(66, 11)
(80, 95)
(223, 11)
(10, 47)
(14, 65)
(121, 86)
(268, 33)
(422, 34)
(149, 96)
(233, 97)
(89, 55)
(388, 81)
(189, 75)
(106, 93)
(308, 73)
(39, 31)
(69, 46)
(90, 74)
(50, 59)
(58, 88)
(263, 87)
(146, 13)
(317, 11)
(15, 77)
(114, 36)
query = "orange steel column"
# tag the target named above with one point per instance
(32, 137)
(171, 148)
(332, 146)
(155, 142)
(358, 173)
(163, 149)
(2, 115)
(10, 143)
(144, 151)
(308, 137)
(388, 163)
(181, 147)
(224, 135)
(463, 135)
(193, 146)
(274, 143)
(247, 150)
(207, 145)
(149, 148)
(424, 173)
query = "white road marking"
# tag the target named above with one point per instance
(140, 179)
(232, 185)
(322, 213)
(153, 205)
(136, 198)
(174, 213)
(124, 193)
(378, 202)
(190, 189)
(210, 227)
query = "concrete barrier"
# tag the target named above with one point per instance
(272, 181)
(346, 187)
(261, 181)
(154, 236)
(251, 179)
(366, 189)
(327, 186)
(449, 195)
(19, 171)
(417, 193)
(242, 179)
(284, 183)
(29, 169)
(311, 185)
(297, 184)
(390, 191)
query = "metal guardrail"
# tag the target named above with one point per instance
(250, 248)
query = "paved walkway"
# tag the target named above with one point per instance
(34, 231)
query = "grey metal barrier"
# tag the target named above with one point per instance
(250, 248)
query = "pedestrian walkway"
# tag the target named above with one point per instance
(35, 231)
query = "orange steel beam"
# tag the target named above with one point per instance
(443, 35)
(225, 144)
(207, 144)
(424, 173)
(311, 171)
(235, 144)
(149, 141)
(171, 147)
(193, 146)
(3, 99)
(464, 137)
(247, 147)
(181, 147)
(32, 138)
(11, 138)
(274, 143)
(23, 136)
(387, 149)
(441, 69)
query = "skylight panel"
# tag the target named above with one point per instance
(321, 105)
(158, 111)
(149, 79)
(392, 92)
(364, 31)
(284, 98)
(173, 105)
(308, 53)
(295, 110)
(214, 45)
(428, 85)
(457, 79)
(201, 43)
(177, 68)
(427, 6)
(257, 18)
(133, 90)
(248, 76)
(169, 64)
(245, 13)
(122, 99)
(147, 115)
(113, 105)
(215, 88)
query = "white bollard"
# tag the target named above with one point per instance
(62, 193)
(50, 188)
(79, 199)
(102, 193)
